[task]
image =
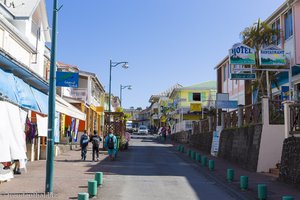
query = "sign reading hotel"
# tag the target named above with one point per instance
(271, 56)
(241, 54)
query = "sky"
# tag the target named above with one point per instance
(164, 41)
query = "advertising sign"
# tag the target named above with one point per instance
(271, 56)
(241, 54)
(195, 107)
(226, 104)
(243, 76)
(216, 141)
(67, 79)
(57, 131)
(284, 93)
(222, 96)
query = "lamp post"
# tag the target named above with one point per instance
(111, 65)
(51, 105)
(121, 88)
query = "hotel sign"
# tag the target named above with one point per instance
(241, 54)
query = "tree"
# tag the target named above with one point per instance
(258, 36)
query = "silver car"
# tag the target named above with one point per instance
(143, 130)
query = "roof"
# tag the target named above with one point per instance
(209, 85)
(20, 8)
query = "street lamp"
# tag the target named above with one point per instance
(129, 87)
(111, 65)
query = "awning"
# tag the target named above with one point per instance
(64, 107)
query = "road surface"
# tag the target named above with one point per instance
(150, 170)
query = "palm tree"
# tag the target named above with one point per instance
(258, 36)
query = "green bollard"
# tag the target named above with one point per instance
(99, 178)
(92, 187)
(262, 191)
(182, 149)
(192, 154)
(198, 157)
(83, 196)
(203, 160)
(211, 165)
(287, 198)
(244, 182)
(230, 175)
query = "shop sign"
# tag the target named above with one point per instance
(195, 107)
(243, 76)
(272, 56)
(226, 104)
(67, 79)
(241, 54)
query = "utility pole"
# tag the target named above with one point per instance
(51, 105)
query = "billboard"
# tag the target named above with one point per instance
(272, 56)
(241, 54)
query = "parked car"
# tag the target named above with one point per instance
(143, 129)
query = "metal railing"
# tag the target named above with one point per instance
(276, 112)
(295, 119)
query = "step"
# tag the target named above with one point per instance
(274, 171)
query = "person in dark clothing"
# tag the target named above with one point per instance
(95, 139)
(84, 141)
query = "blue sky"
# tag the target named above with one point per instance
(165, 41)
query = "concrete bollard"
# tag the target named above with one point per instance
(230, 175)
(262, 191)
(211, 165)
(83, 196)
(244, 182)
(99, 178)
(198, 157)
(203, 160)
(92, 188)
(287, 198)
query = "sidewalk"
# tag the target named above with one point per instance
(71, 176)
(275, 189)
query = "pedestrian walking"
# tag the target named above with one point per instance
(95, 139)
(164, 133)
(128, 137)
(84, 141)
(111, 145)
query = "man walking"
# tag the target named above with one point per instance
(95, 139)
(84, 141)
(111, 145)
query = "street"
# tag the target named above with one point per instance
(151, 170)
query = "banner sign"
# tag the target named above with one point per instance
(67, 79)
(271, 56)
(227, 104)
(243, 76)
(241, 54)
(195, 107)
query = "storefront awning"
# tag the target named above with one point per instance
(64, 107)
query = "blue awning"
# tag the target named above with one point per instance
(7, 86)
(17, 91)
(42, 100)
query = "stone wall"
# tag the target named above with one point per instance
(202, 141)
(290, 162)
(241, 146)
(181, 137)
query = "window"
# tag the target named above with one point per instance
(196, 96)
(276, 39)
(288, 23)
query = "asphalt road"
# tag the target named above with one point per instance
(151, 170)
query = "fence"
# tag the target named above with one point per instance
(276, 112)
(246, 115)
(294, 119)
